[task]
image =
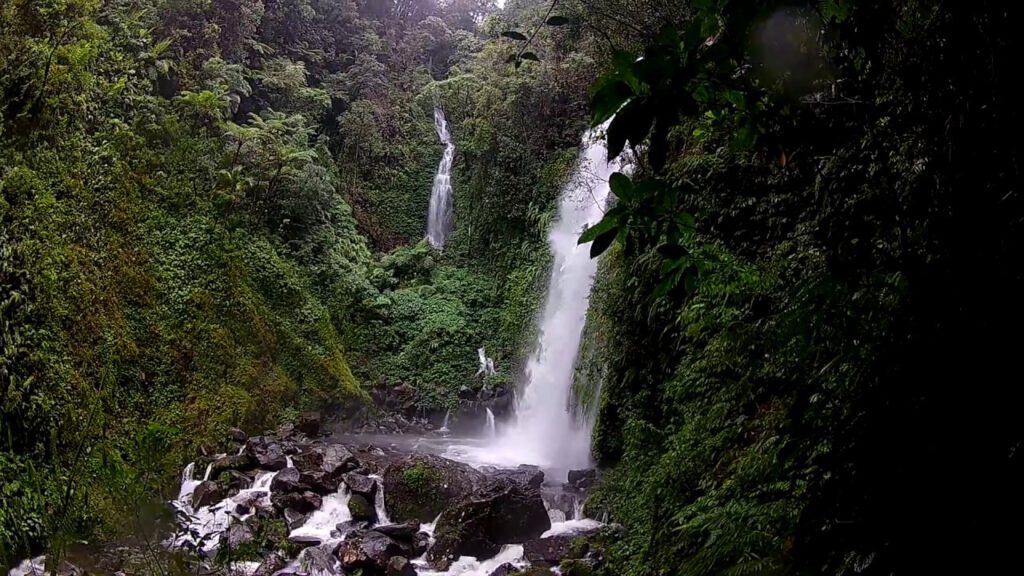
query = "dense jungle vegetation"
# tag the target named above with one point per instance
(800, 346)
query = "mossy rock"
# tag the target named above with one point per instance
(576, 568)
(421, 486)
(361, 509)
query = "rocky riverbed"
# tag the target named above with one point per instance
(294, 503)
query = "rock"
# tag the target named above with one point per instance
(466, 393)
(402, 532)
(271, 564)
(577, 476)
(206, 493)
(486, 393)
(238, 534)
(352, 525)
(237, 435)
(316, 560)
(272, 459)
(420, 543)
(525, 474)
(362, 485)
(304, 541)
(505, 569)
(287, 481)
(552, 550)
(361, 509)
(324, 465)
(580, 567)
(242, 462)
(309, 424)
(421, 486)
(478, 525)
(235, 480)
(294, 518)
(286, 430)
(368, 551)
(399, 566)
(303, 503)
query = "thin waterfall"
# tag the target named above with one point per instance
(441, 214)
(490, 429)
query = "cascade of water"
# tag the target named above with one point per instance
(546, 431)
(490, 429)
(441, 214)
(444, 425)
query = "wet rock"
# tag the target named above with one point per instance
(400, 566)
(271, 564)
(272, 458)
(368, 551)
(304, 502)
(580, 567)
(304, 541)
(309, 424)
(362, 485)
(241, 462)
(237, 435)
(466, 393)
(421, 486)
(294, 518)
(553, 549)
(206, 493)
(421, 543)
(402, 532)
(287, 481)
(316, 560)
(505, 569)
(352, 525)
(525, 474)
(286, 430)
(478, 525)
(325, 463)
(582, 478)
(238, 534)
(361, 509)
(235, 480)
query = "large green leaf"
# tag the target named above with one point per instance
(514, 35)
(602, 242)
(608, 223)
(621, 186)
(632, 124)
(610, 95)
(557, 21)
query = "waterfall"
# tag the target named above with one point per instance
(546, 431)
(490, 430)
(444, 425)
(440, 216)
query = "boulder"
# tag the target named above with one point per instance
(304, 502)
(273, 563)
(235, 480)
(206, 493)
(578, 567)
(309, 424)
(304, 541)
(402, 532)
(238, 534)
(420, 543)
(478, 525)
(553, 549)
(505, 569)
(242, 462)
(582, 478)
(294, 518)
(421, 486)
(237, 435)
(368, 551)
(287, 481)
(399, 566)
(525, 474)
(362, 485)
(324, 465)
(316, 560)
(361, 509)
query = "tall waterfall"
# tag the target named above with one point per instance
(547, 431)
(441, 215)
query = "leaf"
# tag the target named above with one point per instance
(512, 58)
(606, 224)
(672, 251)
(632, 123)
(557, 21)
(745, 136)
(514, 35)
(602, 242)
(621, 186)
(529, 56)
(607, 99)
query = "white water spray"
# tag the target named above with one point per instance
(441, 214)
